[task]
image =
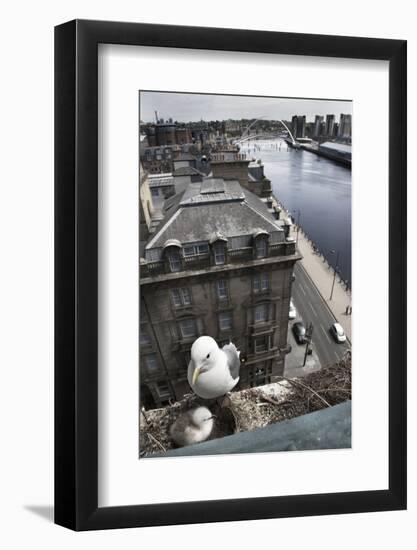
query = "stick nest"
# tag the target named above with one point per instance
(253, 408)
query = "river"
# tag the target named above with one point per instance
(319, 189)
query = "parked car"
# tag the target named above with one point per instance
(292, 314)
(299, 331)
(338, 333)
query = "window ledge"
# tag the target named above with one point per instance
(325, 429)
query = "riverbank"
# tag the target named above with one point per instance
(322, 275)
(316, 192)
(328, 154)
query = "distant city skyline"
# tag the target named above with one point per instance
(187, 107)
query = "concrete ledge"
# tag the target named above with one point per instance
(325, 429)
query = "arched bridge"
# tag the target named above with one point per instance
(245, 136)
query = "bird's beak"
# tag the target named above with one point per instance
(196, 374)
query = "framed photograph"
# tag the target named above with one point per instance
(230, 338)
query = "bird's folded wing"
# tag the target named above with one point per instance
(233, 360)
(190, 371)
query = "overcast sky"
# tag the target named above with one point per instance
(193, 107)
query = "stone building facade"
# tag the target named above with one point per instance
(219, 264)
(229, 163)
(167, 132)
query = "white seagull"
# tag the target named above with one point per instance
(212, 372)
(191, 427)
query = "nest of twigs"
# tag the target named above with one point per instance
(252, 408)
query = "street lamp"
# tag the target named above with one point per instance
(298, 221)
(335, 270)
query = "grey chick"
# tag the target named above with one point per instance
(192, 426)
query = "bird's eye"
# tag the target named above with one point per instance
(208, 355)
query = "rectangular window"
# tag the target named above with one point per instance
(264, 281)
(188, 328)
(202, 248)
(153, 254)
(225, 320)
(144, 338)
(151, 363)
(276, 237)
(219, 254)
(188, 250)
(181, 297)
(176, 297)
(262, 344)
(174, 261)
(163, 390)
(261, 282)
(261, 247)
(261, 313)
(155, 192)
(186, 296)
(222, 290)
(195, 249)
(259, 375)
(239, 242)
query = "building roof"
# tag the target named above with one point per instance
(226, 157)
(186, 171)
(213, 206)
(212, 190)
(184, 156)
(160, 180)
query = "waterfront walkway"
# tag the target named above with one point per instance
(322, 276)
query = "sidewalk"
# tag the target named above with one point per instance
(322, 277)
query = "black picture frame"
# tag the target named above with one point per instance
(76, 271)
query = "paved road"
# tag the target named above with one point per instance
(311, 308)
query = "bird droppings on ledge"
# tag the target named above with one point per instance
(253, 408)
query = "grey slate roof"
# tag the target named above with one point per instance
(186, 171)
(184, 156)
(160, 180)
(212, 190)
(214, 205)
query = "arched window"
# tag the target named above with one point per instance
(172, 249)
(261, 244)
(218, 244)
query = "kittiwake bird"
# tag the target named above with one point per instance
(192, 426)
(212, 372)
